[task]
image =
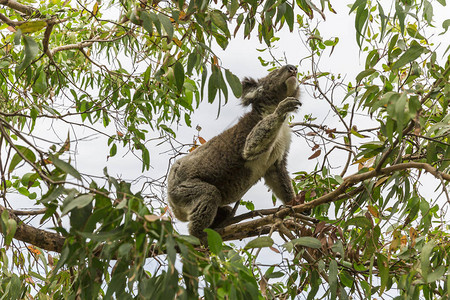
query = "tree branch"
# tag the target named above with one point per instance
(28, 212)
(25, 9)
(337, 194)
(8, 21)
(38, 237)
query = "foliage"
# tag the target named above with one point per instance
(120, 68)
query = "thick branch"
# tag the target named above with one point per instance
(335, 195)
(29, 212)
(38, 237)
(80, 45)
(28, 10)
(8, 21)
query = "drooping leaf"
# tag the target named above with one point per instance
(179, 75)
(31, 26)
(333, 278)
(146, 21)
(383, 269)
(360, 221)
(260, 242)
(363, 74)
(77, 202)
(65, 167)
(167, 24)
(220, 21)
(307, 241)
(234, 83)
(425, 259)
(17, 158)
(214, 241)
(40, 85)
(360, 21)
(31, 50)
(413, 52)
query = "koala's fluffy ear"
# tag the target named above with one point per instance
(249, 91)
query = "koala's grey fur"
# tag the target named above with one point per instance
(220, 172)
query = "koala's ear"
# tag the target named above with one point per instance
(249, 88)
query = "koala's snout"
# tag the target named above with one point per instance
(292, 69)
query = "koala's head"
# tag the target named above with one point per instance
(270, 90)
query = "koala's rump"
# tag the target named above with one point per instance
(219, 162)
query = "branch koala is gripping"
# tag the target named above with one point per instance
(202, 184)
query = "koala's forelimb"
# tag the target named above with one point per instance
(263, 135)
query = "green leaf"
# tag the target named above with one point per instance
(79, 217)
(146, 21)
(31, 26)
(360, 20)
(357, 4)
(436, 275)
(192, 61)
(215, 242)
(10, 227)
(155, 20)
(383, 268)
(31, 50)
(445, 25)
(40, 85)
(400, 111)
(260, 242)
(413, 52)
(346, 279)
(113, 150)
(363, 74)
(401, 14)
(179, 75)
(428, 11)
(213, 85)
(289, 17)
(52, 194)
(307, 241)
(233, 7)
(27, 153)
(167, 24)
(17, 37)
(277, 274)
(383, 21)
(333, 278)
(77, 202)
(305, 7)
(64, 166)
(234, 83)
(145, 159)
(425, 259)
(219, 19)
(360, 221)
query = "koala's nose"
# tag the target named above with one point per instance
(291, 69)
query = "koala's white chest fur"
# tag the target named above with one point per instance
(275, 152)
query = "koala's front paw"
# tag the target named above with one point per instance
(288, 105)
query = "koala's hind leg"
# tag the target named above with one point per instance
(223, 214)
(201, 201)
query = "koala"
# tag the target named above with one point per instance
(202, 184)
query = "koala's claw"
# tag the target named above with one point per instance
(288, 105)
